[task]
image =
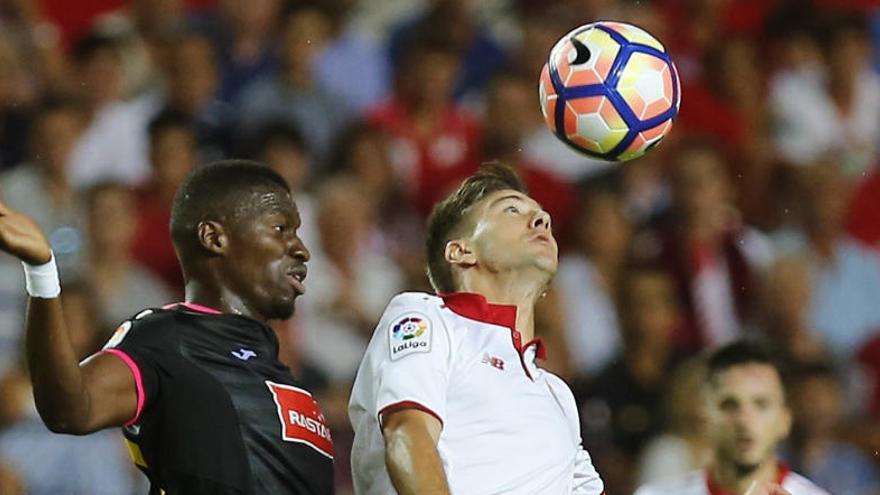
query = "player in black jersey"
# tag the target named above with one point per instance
(206, 406)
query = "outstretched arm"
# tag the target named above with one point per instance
(70, 397)
(411, 455)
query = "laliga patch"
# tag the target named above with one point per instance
(411, 333)
(118, 335)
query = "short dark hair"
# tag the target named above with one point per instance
(218, 191)
(447, 216)
(741, 352)
(169, 119)
(93, 43)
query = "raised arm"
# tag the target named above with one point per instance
(411, 455)
(70, 397)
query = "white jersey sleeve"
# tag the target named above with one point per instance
(411, 357)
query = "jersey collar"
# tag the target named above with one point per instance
(714, 488)
(475, 307)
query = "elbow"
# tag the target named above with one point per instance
(57, 423)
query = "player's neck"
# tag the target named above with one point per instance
(218, 298)
(512, 290)
(729, 478)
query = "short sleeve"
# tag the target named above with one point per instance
(142, 345)
(412, 356)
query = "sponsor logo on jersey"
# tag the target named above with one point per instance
(493, 361)
(410, 333)
(301, 418)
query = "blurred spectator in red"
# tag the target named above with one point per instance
(589, 278)
(37, 41)
(42, 190)
(814, 448)
(435, 143)
(192, 84)
(112, 146)
(122, 287)
(172, 157)
(481, 54)
(293, 94)
(243, 33)
(348, 51)
(510, 111)
(835, 109)
(863, 219)
(623, 404)
(16, 97)
(714, 257)
(786, 305)
(350, 281)
(845, 274)
(684, 446)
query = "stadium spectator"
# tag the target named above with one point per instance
(121, 287)
(172, 156)
(435, 143)
(292, 93)
(683, 446)
(42, 188)
(589, 279)
(844, 272)
(814, 448)
(16, 98)
(112, 145)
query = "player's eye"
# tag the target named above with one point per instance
(512, 209)
(279, 228)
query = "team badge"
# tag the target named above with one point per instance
(409, 334)
(118, 335)
(301, 419)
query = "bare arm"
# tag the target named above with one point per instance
(71, 398)
(411, 453)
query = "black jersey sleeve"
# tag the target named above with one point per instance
(145, 343)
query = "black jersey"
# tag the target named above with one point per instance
(217, 412)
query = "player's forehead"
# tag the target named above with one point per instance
(748, 379)
(506, 196)
(268, 202)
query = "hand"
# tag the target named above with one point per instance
(21, 237)
(766, 489)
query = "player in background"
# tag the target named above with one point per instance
(747, 416)
(448, 398)
(206, 406)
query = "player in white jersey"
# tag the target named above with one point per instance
(448, 398)
(747, 417)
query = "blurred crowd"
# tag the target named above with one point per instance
(758, 215)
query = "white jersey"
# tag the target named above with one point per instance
(508, 426)
(701, 483)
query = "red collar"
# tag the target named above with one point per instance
(714, 488)
(476, 307)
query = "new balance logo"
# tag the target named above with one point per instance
(244, 354)
(493, 361)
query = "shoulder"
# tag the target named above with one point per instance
(415, 301)
(149, 327)
(799, 485)
(693, 483)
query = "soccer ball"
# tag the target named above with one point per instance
(609, 90)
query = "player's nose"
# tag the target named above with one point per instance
(299, 250)
(541, 220)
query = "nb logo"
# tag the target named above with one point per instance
(244, 354)
(493, 361)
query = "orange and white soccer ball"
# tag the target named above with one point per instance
(609, 90)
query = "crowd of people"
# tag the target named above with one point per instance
(758, 215)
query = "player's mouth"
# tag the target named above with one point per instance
(744, 444)
(295, 276)
(543, 237)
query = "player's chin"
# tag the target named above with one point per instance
(282, 307)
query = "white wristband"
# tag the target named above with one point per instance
(42, 280)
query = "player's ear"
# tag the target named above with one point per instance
(212, 236)
(785, 423)
(458, 252)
